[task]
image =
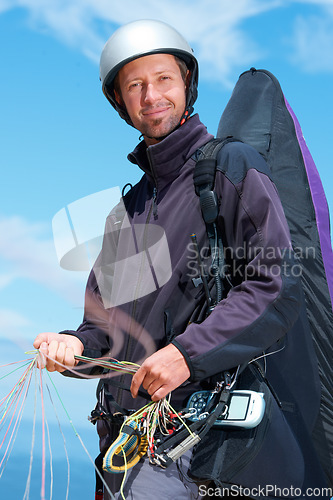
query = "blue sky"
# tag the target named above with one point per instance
(61, 141)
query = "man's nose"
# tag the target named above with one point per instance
(152, 94)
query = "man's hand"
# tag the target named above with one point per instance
(161, 373)
(58, 348)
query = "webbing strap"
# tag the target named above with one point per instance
(115, 383)
(206, 161)
(204, 174)
(204, 180)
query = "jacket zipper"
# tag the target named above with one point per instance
(154, 202)
(150, 160)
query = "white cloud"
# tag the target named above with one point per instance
(28, 254)
(212, 27)
(9, 318)
(313, 42)
(5, 5)
(13, 326)
(6, 279)
(317, 3)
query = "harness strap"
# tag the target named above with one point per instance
(204, 180)
(99, 481)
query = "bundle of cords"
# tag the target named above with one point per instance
(141, 433)
(157, 429)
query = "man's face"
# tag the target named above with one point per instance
(154, 94)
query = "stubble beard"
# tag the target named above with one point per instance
(154, 130)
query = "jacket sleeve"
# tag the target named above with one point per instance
(265, 299)
(95, 331)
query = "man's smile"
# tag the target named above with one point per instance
(156, 111)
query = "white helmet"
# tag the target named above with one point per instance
(142, 38)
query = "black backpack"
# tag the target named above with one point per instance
(259, 115)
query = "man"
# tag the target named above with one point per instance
(149, 75)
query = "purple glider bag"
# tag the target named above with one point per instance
(258, 114)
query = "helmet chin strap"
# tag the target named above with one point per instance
(184, 118)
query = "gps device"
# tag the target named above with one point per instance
(245, 409)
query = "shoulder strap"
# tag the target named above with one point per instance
(205, 168)
(206, 162)
(204, 180)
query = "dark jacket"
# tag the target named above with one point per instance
(143, 291)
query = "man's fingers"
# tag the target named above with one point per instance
(43, 350)
(56, 356)
(161, 373)
(160, 393)
(39, 340)
(69, 359)
(51, 355)
(154, 389)
(151, 382)
(137, 381)
(57, 350)
(60, 357)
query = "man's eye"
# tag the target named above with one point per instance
(134, 86)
